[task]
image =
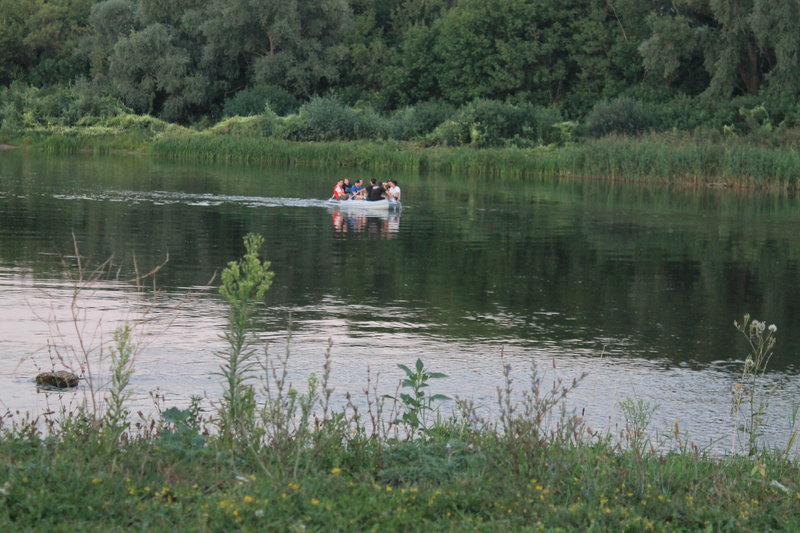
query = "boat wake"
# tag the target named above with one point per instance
(170, 198)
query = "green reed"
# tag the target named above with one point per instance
(703, 158)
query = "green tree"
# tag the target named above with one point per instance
(295, 44)
(738, 47)
(38, 40)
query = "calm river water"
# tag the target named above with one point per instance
(636, 286)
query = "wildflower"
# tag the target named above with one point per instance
(259, 513)
(773, 328)
(294, 486)
(336, 471)
(314, 501)
(248, 499)
(96, 480)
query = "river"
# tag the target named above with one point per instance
(635, 286)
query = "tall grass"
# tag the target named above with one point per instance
(699, 159)
(660, 158)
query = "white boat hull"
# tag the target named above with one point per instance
(377, 205)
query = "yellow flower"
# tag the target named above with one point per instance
(97, 480)
(336, 471)
(248, 499)
(314, 501)
(294, 486)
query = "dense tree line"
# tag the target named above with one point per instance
(197, 60)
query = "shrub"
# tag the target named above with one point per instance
(251, 101)
(490, 123)
(326, 119)
(550, 125)
(263, 125)
(622, 115)
(420, 119)
(28, 107)
(138, 123)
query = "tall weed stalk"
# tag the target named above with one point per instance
(244, 284)
(749, 401)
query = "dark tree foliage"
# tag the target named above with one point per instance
(197, 60)
(38, 40)
(182, 59)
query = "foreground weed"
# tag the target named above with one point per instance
(244, 284)
(418, 405)
(637, 413)
(122, 352)
(749, 402)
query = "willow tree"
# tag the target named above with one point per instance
(293, 44)
(38, 40)
(744, 45)
(181, 59)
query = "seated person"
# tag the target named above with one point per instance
(346, 186)
(394, 191)
(376, 192)
(357, 191)
(338, 191)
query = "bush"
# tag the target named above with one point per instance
(28, 107)
(420, 119)
(550, 125)
(138, 123)
(252, 101)
(492, 123)
(326, 119)
(623, 115)
(263, 125)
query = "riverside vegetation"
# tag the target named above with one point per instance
(273, 456)
(623, 140)
(672, 92)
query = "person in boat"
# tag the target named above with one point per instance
(338, 191)
(394, 191)
(346, 186)
(357, 191)
(375, 191)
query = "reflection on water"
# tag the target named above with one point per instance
(385, 224)
(636, 287)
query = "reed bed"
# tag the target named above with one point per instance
(656, 158)
(668, 158)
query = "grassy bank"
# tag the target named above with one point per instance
(269, 456)
(178, 479)
(683, 159)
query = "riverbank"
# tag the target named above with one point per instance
(270, 455)
(665, 158)
(176, 478)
